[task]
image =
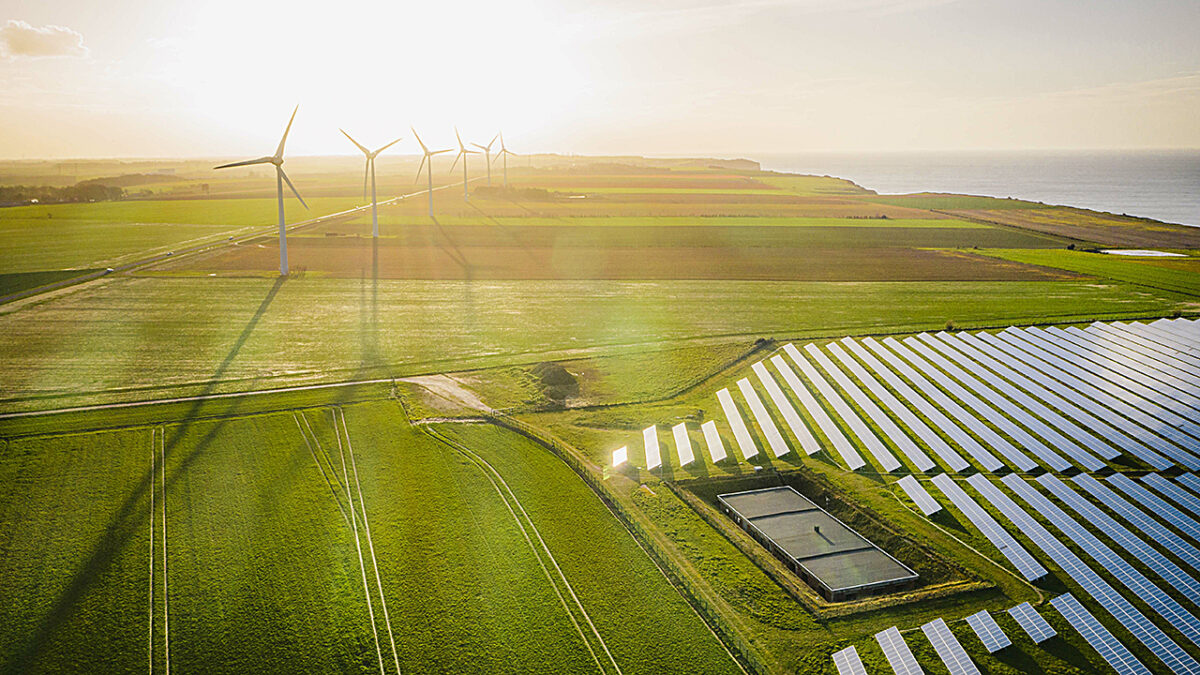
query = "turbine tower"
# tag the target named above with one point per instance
(427, 158)
(462, 152)
(370, 171)
(504, 152)
(487, 156)
(280, 179)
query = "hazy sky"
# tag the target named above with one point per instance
(149, 78)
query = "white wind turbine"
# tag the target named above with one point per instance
(462, 152)
(280, 179)
(370, 171)
(427, 158)
(487, 156)
(504, 152)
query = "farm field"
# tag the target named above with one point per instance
(263, 569)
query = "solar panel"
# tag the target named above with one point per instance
(1157, 505)
(914, 423)
(1115, 349)
(620, 456)
(1179, 348)
(1113, 602)
(968, 420)
(1135, 395)
(1104, 642)
(1115, 359)
(1173, 492)
(948, 648)
(1052, 393)
(831, 431)
(989, 633)
(1144, 344)
(653, 456)
(1034, 624)
(765, 423)
(1138, 548)
(986, 459)
(1058, 369)
(1005, 395)
(1131, 578)
(848, 663)
(740, 433)
(799, 431)
(983, 521)
(683, 444)
(1190, 480)
(1141, 520)
(882, 455)
(893, 433)
(896, 651)
(712, 438)
(985, 409)
(919, 496)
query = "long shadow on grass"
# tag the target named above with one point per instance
(127, 521)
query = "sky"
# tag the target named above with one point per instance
(163, 78)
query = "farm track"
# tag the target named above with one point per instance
(362, 504)
(153, 462)
(541, 549)
(321, 467)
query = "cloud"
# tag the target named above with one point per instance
(18, 39)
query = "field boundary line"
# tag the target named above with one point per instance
(336, 497)
(362, 505)
(153, 462)
(525, 534)
(357, 545)
(162, 466)
(579, 603)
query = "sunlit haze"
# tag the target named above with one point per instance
(159, 79)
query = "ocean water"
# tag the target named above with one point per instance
(1159, 184)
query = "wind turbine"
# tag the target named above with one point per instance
(462, 152)
(487, 156)
(280, 179)
(504, 152)
(370, 170)
(427, 158)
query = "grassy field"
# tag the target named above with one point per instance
(1177, 278)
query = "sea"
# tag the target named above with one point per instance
(1159, 184)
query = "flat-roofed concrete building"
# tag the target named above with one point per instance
(836, 561)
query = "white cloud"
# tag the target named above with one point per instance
(18, 39)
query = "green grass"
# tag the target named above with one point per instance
(101, 234)
(682, 221)
(929, 200)
(145, 337)
(21, 281)
(1111, 267)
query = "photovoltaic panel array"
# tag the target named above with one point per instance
(849, 455)
(653, 456)
(1162, 646)
(683, 444)
(1173, 492)
(989, 632)
(1156, 504)
(912, 487)
(1035, 625)
(799, 430)
(948, 649)
(1140, 519)
(740, 433)
(763, 418)
(1105, 643)
(882, 455)
(712, 438)
(1025, 563)
(848, 663)
(897, 653)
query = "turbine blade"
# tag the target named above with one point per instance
(455, 163)
(282, 141)
(481, 147)
(356, 143)
(388, 145)
(501, 135)
(438, 152)
(248, 162)
(423, 148)
(493, 139)
(460, 143)
(422, 166)
(289, 184)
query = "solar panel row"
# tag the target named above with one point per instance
(683, 444)
(765, 424)
(1121, 334)
(1162, 646)
(740, 433)
(1141, 520)
(1025, 563)
(712, 438)
(897, 653)
(650, 439)
(834, 435)
(799, 430)
(919, 496)
(1173, 492)
(1156, 504)
(988, 630)
(848, 663)
(1105, 643)
(1121, 353)
(1035, 625)
(948, 648)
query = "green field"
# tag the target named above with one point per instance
(1151, 273)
